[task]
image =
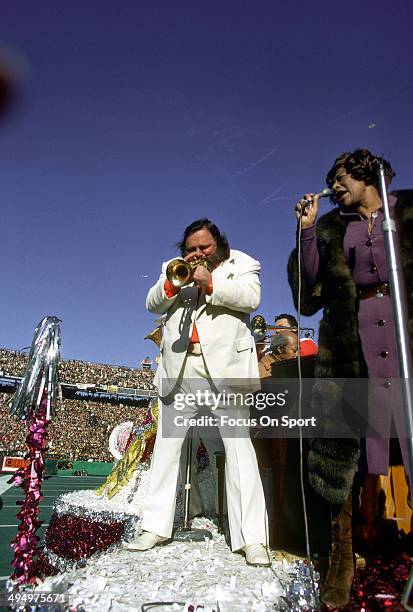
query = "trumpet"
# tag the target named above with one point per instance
(180, 272)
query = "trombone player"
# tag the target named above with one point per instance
(206, 338)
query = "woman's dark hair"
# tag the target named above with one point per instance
(290, 318)
(221, 240)
(362, 166)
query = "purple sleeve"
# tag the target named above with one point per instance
(310, 258)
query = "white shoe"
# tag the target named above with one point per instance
(257, 554)
(146, 541)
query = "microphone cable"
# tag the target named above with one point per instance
(326, 192)
(300, 399)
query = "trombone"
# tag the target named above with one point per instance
(260, 329)
(180, 272)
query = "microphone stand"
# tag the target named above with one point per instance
(185, 533)
(402, 337)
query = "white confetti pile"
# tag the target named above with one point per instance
(204, 573)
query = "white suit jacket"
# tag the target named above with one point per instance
(222, 321)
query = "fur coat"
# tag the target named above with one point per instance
(332, 462)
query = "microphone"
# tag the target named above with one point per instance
(325, 193)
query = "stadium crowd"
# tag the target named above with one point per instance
(80, 429)
(13, 363)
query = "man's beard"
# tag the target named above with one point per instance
(213, 261)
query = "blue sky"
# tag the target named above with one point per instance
(135, 118)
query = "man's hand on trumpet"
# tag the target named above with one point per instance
(201, 275)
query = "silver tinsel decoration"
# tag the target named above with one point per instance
(131, 521)
(302, 592)
(41, 372)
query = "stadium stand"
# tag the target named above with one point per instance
(81, 428)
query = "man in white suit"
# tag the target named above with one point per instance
(207, 340)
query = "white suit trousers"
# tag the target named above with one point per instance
(247, 514)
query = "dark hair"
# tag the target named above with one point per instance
(290, 318)
(220, 238)
(280, 342)
(362, 166)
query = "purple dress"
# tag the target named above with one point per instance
(365, 254)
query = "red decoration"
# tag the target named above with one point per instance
(380, 585)
(30, 479)
(147, 453)
(43, 567)
(73, 537)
